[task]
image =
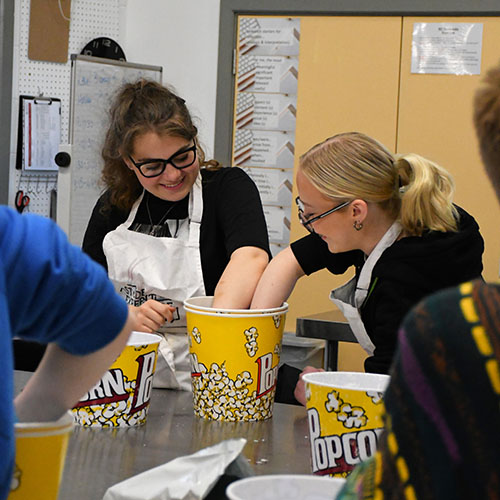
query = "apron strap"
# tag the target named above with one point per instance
(350, 297)
(195, 211)
(365, 275)
(133, 210)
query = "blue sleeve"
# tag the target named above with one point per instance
(55, 293)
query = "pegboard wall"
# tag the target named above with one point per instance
(89, 19)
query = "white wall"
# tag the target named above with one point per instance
(182, 36)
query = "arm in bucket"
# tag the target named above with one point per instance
(238, 281)
(62, 378)
(277, 281)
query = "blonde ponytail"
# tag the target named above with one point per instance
(409, 188)
(426, 196)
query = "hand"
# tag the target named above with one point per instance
(300, 388)
(152, 315)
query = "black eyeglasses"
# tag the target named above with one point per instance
(307, 223)
(156, 166)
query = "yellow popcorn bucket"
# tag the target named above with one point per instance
(121, 397)
(234, 359)
(344, 412)
(40, 454)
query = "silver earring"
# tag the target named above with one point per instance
(358, 225)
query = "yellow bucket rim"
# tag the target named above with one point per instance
(231, 316)
(354, 381)
(192, 306)
(40, 429)
(142, 338)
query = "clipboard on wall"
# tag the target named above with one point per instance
(39, 133)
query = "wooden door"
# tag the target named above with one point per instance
(348, 80)
(435, 121)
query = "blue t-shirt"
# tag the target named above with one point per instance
(49, 292)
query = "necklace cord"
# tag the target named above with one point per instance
(153, 230)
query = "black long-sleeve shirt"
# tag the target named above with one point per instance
(232, 218)
(410, 269)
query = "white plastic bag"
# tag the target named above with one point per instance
(185, 478)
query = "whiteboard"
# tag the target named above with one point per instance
(94, 82)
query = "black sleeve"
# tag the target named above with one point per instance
(100, 224)
(382, 315)
(240, 212)
(288, 376)
(312, 254)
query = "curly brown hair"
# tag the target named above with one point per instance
(140, 107)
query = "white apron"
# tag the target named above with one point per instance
(146, 267)
(350, 297)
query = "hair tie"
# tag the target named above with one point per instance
(402, 168)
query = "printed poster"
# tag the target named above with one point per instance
(269, 36)
(278, 224)
(447, 48)
(271, 74)
(266, 111)
(264, 148)
(274, 185)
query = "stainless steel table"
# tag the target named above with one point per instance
(98, 458)
(331, 326)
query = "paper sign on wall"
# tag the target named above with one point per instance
(268, 36)
(276, 248)
(263, 148)
(265, 114)
(278, 224)
(268, 74)
(266, 111)
(447, 48)
(274, 185)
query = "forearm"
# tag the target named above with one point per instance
(277, 281)
(63, 378)
(237, 284)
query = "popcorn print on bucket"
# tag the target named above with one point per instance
(376, 397)
(350, 416)
(218, 397)
(251, 345)
(113, 414)
(196, 335)
(277, 320)
(117, 400)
